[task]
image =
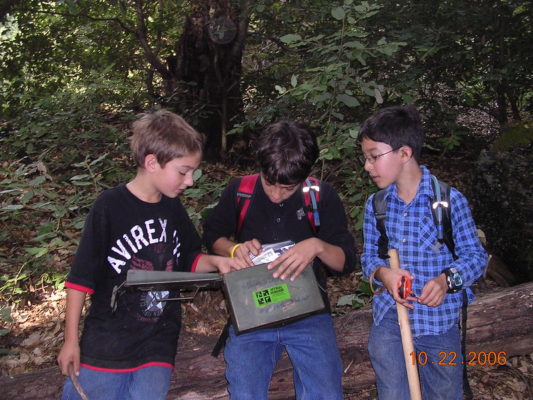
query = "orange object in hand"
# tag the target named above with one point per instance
(404, 287)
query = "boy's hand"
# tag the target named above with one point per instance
(227, 264)
(69, 354)
(293, 262)
(243, 251)
(434, 291)
(390, 278)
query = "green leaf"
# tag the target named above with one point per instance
(37, 180)
(319, 98)
(354, 133)
(354, 44)
(377, 95)
(349, 101)
(98, 159)
(294, 80)
(5, 314)
(350, 300)
(280, 89)
(37, 251)
(290, 38)
(338, 115)
(197, 174)
(338, 13)
(13, 207)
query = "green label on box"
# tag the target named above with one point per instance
(275, 294)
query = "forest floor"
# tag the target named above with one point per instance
(36, 329)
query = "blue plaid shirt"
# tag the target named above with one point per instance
(411, 230)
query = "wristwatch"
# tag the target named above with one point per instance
(453, 280)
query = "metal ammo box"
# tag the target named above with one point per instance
(257, 300)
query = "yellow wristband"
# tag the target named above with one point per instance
(232, 250)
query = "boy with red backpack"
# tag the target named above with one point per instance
(283, 204)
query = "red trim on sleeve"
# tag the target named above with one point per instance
(150, 364)
(195, 262)
(71, 285)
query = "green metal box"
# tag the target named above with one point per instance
(257, 300)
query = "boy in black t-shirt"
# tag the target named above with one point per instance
(276, 212)
(129, 353)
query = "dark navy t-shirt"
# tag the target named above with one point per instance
(121, 233)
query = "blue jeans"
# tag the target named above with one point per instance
(150, 383)
(312, 348)
(439, 379)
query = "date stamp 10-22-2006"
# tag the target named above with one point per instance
(472, 358)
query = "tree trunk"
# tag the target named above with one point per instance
(211, 72)
(500, 321)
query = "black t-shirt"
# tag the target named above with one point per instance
(269, 222)
(122, 232)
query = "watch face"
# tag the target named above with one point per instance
(454, 280)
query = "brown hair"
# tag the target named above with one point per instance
(286, 152)
(164, 134)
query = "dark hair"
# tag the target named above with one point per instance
(164, 134)
(286, 152)
(396, 126)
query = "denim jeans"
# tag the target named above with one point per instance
(150, 383)
(439, 379)
(312, 348)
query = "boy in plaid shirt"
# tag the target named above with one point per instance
(392, 141)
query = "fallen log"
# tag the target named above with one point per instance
(500, 321)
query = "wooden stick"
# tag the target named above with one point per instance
(76, 383)
(407, 338)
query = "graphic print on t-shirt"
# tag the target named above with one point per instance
(138, 238)
(146, 247)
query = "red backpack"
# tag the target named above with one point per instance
(310, 191)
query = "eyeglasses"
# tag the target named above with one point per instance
(373, 159)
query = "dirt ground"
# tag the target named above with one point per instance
(37, 334)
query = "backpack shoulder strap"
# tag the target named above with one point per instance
(379, 205)
(311, 192)
(441, 210)
(245, 193)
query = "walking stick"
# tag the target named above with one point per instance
(407, 338)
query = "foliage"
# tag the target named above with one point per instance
(68, 118)
(514, 136)
(336, 85)
(361, 296)
(203, 196)
(47, 191)
(473, 54)
(48, 215)
(74, 73)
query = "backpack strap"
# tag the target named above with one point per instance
(311, 192)
(221, 341)
(379, 205)
(441, 210)
(245, 192)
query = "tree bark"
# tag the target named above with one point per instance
(498, 321)
(211, 72)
